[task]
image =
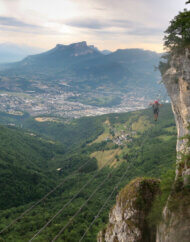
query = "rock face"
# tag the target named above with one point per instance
(175, 226)
(128, 218)
(177, 83)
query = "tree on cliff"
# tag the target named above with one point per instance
(178, 33)
(177, 38)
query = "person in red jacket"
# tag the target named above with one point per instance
(156, 105)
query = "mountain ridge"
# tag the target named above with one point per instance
(82, 63)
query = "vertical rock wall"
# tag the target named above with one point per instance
(175, 226)
(177, 82)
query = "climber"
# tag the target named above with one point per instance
(155, 107)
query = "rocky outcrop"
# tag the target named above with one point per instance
(128, 218)
(175, 226)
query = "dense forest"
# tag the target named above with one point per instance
(88, 157)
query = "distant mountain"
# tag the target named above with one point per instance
(128, 67)
(12, 52)
(106, 52)
(84, 67)
(62, 55)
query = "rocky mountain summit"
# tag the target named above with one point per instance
(60, 56)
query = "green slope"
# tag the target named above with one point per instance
(149, 151)
(24, 171)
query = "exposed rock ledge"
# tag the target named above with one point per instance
(128, 218)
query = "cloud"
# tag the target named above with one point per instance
(96, 23)
(151, 13)
(114, 26)
(86, 23)
(106, 23)
(9, 21)
(40, 31)
(123, 23)
(143, 31)
(15, 25)
(11, 1)
(100, 9)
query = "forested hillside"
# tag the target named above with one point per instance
(92, 154)
(25, 174)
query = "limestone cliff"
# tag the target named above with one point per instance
(177, 82)
(175, 226)
(128, 218)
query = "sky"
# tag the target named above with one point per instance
(107, 24)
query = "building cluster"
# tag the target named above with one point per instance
(56, 103)
(122, 137)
